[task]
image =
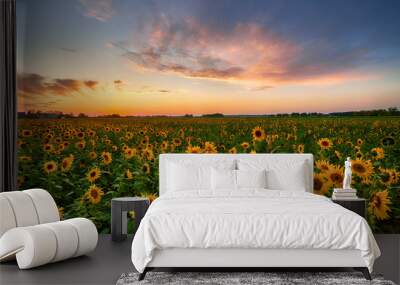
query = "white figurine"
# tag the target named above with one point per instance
(347, 174)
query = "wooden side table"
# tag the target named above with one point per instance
(357, 205)
(119, 208)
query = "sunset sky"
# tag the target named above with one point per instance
(144, 57)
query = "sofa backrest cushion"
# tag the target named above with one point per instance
(26, 208)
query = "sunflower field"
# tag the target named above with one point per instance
(85, 162)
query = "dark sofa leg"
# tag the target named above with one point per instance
(364, 271)
(143, 274)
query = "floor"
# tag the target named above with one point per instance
(111, 259)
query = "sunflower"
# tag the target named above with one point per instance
(193, 149)
(129, 174)
(359, 155)
(50, 166)
(130, 152)
(107, 158)
(232, 150)
(146, 168)
(325, 143)
(80, 135)
(148, 154)
(114, 148)
(300, 148)
(26, 133)
(323, 165)
(94, 194)
(92, 155)
(149, 196)
(48, 147)
(93, 174)
(177, 141)
(321, 184)
(61, 213)
(25, 158)
(386, 177)
(378, 153)
(245, 145)
(335, 175)
(258, 134)
(209, 147)
(338, 154)
(80, 144)
(66, 164)
(131, 214)
(360, 142)
(379, 205)
(164, 145)
(362, 168)
(394, 176)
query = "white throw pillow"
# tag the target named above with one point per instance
(291, 179)
(182, 177)
(251, 178)
(223, 179)
(282, 173)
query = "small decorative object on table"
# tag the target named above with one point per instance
(345, 193)
(347, 196)
(119, 208)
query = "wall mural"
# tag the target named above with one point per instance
(105, 86)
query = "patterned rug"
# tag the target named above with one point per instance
(243, 278)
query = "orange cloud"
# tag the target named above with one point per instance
(30, 84)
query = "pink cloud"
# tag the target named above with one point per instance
(101, 10)
(246, 52)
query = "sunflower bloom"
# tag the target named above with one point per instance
(149, 196)
(300, 148)
(92, 155)
(129, 174)
(232, 150)
(94, 194)
(93, 174)
(325, 143)
(107, 158)
(209, 147)
(335, 175)
(193, 149)
(50, 166)
(379, 205)
(362, 168)
(323, 165)
(378, 153)
(258, 134)
(146, 168)
(321, 184)
(66, 164)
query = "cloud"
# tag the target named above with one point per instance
(91, 84)
(101, 10)
(262, 88)
(163, 91)
(247, 51)
(118, 84)
(31, 84)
